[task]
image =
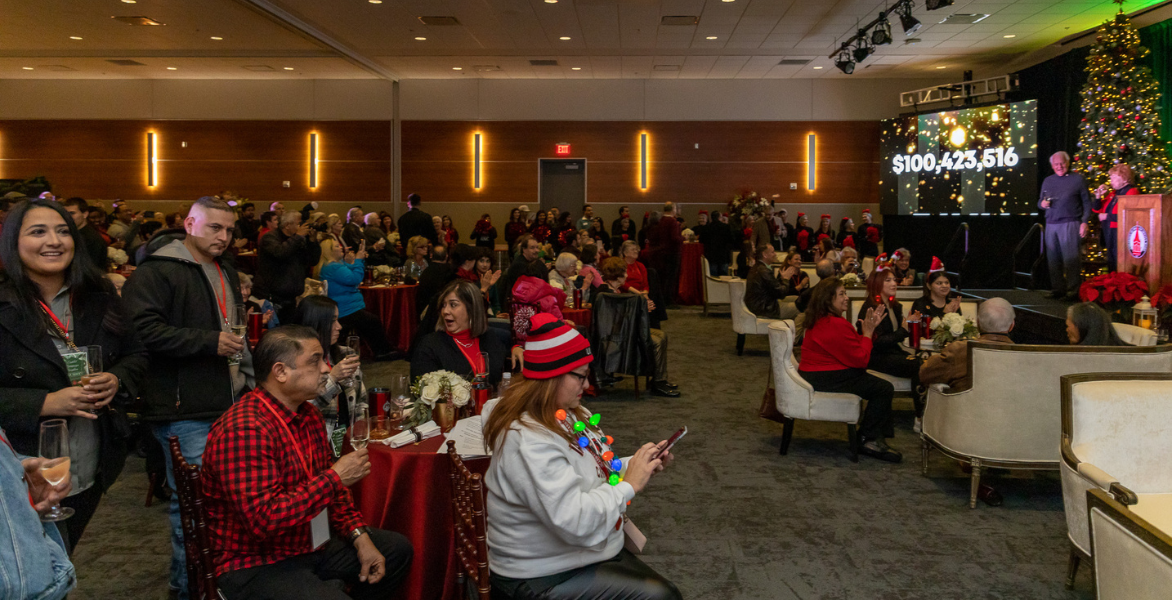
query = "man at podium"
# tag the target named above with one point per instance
(1121, 179)
(1067, 203)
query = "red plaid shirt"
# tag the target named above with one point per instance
(259, 498)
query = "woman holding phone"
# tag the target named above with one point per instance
(557, 494)
(47, 330)
(344, 270)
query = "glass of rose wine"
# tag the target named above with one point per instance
(54, 448)
(240, 327)
(360, 427)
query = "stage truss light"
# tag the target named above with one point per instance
(909, 23)
(862, 50)
(881, 34)
(844, 62)
(937, 4)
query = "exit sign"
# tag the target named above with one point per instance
(562, 149)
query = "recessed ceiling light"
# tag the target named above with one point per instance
(172, 68)
(376, 1)
(564, 38)
(1010, 36)
(941, 67)
(711, 37)
(74, 37)
(421, 39)
(817, 68)
(288, 68)
(457, 68)
(551, 1)
(726, 0)
(217, 38)
(129, 1)
(27, 68)
(575, 68)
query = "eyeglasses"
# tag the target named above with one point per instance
(581, 378)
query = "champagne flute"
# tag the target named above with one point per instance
(400, 398)
(352, 348)
(54, 447)
(93, 366)
(240, 326)
(360, 427)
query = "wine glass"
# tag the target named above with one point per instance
(360, 427)
(54, 447)
(93, 366)
(239, 324)
(400, 398)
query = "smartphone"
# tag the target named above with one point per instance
(671, 441)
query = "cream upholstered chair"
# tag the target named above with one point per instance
(715, 289)
(1114, 438)
(812, 273)
(1136, 336)
(1011, 417)
(744, 321)
(796, 399)
(1133, 557)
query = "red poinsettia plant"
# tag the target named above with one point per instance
(1162, 300)
(1113, 290)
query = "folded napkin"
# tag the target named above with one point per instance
(415, 434)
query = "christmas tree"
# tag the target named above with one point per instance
(1120, 124)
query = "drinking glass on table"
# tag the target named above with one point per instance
(54, 448)
(239, 324)
(400, 398)
(360, 427)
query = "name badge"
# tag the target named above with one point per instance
(319, 528)
(76, 365)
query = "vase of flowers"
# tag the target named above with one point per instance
(747, 203)
(438, 395)
(850, 280)
(1115, 292)
(952, 327)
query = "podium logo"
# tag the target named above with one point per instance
(1137, 241)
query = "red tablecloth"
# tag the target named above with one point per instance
(395, 307)
(582, 317)
(691, 289)
(409, 491)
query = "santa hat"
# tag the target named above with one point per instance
(896, 256)
(937, 265)
(866, 211)
(882, 263)
(848, 242)
(553, 348)
(827, 217)
(703, 212)
(801, 214)
(823, 236)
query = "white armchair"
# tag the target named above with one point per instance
(744, 321)
(1115, 439)
(1136, 336)
(796, 399)
(715, 289)
(1133, 557)
(1011, 417)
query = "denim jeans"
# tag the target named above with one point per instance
(193, 436)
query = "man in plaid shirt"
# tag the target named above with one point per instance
(273, 498)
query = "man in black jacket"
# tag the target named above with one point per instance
(416, 222)
(92, 241)
(247, 226)
(285, 257)
(718, 241)
(352, 233)
(526, 262)
(182, 299)
(763, 290)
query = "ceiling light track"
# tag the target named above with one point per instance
(863, 43)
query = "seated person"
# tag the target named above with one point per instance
(269, 483)
(257, 305)
(637, 279)
(938, 298)
(526, 261)
(344, 389)
(905, 275)
(887, 355)
(825, 270)
(554, 510)
(614, 275)
(460, 335)
(1087, 324)
(799, 281)
(764, 292)
(835, 358)
(565, 276)
(849, 262)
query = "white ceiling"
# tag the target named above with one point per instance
(609, 39)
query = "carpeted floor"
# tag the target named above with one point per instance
(732, 518)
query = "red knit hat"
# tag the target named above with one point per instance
(553, 348)
(827, 217)
(937, 265)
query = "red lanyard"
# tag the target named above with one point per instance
(64, 327)
(223, 304)
(292, 440)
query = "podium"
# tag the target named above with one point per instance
(1145, 238)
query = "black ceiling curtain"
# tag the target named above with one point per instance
(1057, 86)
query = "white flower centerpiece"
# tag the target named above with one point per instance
(383, 274)
(952, 327)
(117, 256)
(437, 395)
(850, 280)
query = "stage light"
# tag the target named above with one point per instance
(862, 50)
(844, 62)
(909, 23)
(881, 34)
(937, 4)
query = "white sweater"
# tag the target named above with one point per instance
(550, 509)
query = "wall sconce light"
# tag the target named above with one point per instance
(811, 161)
(476, 140)
(313, 161)
(643, 161)
(152, 159)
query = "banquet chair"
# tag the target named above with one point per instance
(744, 321)
(201, 573)
(1114, 439)
(868, 265)
(796, 398)
(715, 289)
(1136, 336)
(469, 526)
(1011, 416)
(1133, 558)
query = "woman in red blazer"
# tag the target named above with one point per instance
(1121, 178)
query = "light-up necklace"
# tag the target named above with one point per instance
(591, 443)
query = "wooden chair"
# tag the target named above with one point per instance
(201, 574)
(468, 526)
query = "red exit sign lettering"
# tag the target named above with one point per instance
(562, 149)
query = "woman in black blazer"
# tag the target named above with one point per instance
(887, 353)
(51, 302)
(461, 334)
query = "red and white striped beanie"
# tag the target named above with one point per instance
(553, 348)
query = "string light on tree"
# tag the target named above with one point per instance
(1120, 123)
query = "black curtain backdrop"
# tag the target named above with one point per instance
(992, 240)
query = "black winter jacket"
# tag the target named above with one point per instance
(283, 263)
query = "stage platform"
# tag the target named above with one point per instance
(1040, 319)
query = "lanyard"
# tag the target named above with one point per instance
(62, 328)
(292, 440)
(222, 303)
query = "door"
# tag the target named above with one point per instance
(563, 184)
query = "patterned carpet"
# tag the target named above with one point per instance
(732, 518)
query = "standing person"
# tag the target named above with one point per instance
(784, 230)
(763, 228)
(540, 229)
(718, 241)
(1122, 183)
(247, 226)
(375, 240)
(352, 232)
(124, 229)
(667, 247)
(622, 231)
(182, 297)
(270, 481)
(53, 305)
(89, 239)
(869, 236)
(277, 207)
(416, 222)
(562, 233)
(344, 270)
(824, 231)
(1067, 203)
(587, 218)
(804, 237)
(515, 228)
(286, 256)
(268, 222)
(526, 261)
(484, 234)
(846, 234)
(599, 235)
(451, 234)
(437, 223)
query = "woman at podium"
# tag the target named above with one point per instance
(1121, 178)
